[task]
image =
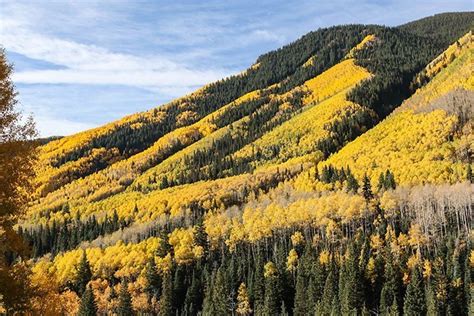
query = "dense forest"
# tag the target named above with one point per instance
(332, 177)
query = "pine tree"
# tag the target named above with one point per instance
(207, 304)
(352, 184)
(301, 297)
(431, 306)
(193, 298)
(392, 284)
(390, 181)
(456, 301)
(317, 280)
(381, 185)
(200, 237)
(220, 293)
(469, 175)
(84, 274)
(272, 290)
(153, 280)
(415, 296)
(166, 299)
(125, 301)
(440, 285)
(394, 308)
(351, 296)
(335, 307)
(330, 291)
(258, 289)
(367, 188)
(283, 311)
(365, 311)
(179, 289)
(243, 303)
(88, 306)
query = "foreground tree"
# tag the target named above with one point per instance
(16, 172)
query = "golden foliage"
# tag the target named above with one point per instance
(243, 301)
(123, 260)
(260, 219)
(270, 270)
(297, 239)
(324, 257)
(292, 260)
(182, 241)
(365, 42)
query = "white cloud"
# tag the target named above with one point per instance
(266, 35)
(53, 126)
(91, 64)
(88, 64)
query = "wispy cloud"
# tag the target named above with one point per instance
(83, 63)
(91, 64)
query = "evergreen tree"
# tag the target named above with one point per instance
(392, 284)
(351, 294)
(166, 299)
(193, 298)
(258, 289)
(200, 237)
(390, 181)
(125, 301)
(153, 280)
(330, 293)
(457, 302)
(301, 297)
(352, 184)
(381, 185)
(317, 280)
(335, 307)
(394, 308)
(431, 306)
(283, 311)
(179, 288)
(440, 285)
(84, 274)
(272, 290)
(88, 306)
(220, 293)
(207, 304)
(367, 188)
(469, 175)
(415, 304)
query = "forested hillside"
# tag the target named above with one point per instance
(332, 177)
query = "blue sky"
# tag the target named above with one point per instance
(80, 64)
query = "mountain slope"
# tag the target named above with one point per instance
(329, 177)
(427, 139)
(296, 111)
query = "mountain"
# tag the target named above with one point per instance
(331, 158)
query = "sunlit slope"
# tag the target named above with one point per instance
(173, 157)
(69, 158)
(428, 139)
(119, 175)
(292, 106)
(302, 134)
(331, 83)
